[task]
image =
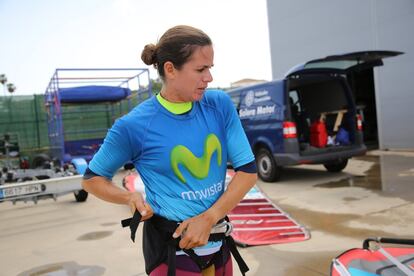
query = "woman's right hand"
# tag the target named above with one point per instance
(137, 202)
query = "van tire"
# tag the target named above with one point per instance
(266, 166)
(80, 195)
(336, 166)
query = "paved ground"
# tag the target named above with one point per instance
(372, 197)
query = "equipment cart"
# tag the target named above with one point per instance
(81, 105)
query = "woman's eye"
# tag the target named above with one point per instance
(200, 70)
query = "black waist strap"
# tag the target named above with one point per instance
(172, 245)
(133, 224)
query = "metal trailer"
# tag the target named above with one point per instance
(24, 184)
(43, 189)
(79, 145)
(69, 157)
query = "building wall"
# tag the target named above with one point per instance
(302, 30)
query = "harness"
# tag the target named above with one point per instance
(157, 236)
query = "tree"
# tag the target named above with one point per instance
(3, 79)
(156, 86)
(11, 87)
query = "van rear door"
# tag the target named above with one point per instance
(358, 69)
(343, 63)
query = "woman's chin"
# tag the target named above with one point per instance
(198, 96)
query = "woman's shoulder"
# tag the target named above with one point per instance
(141, 113)
(216, 97)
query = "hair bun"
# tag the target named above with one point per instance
(149, 55)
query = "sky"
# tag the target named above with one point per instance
(39, 36)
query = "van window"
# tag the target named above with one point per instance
(336, 64)
(294, 101)
(324, 97)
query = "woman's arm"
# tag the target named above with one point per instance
(197, 229)
(106, 190)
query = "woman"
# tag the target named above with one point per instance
(180, 142)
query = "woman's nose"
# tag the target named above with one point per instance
(208, 77)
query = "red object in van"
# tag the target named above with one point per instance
(318, 134)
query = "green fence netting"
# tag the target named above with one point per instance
(24, 118)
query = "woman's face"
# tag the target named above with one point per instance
(189, 83)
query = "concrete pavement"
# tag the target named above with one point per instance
(372, 197)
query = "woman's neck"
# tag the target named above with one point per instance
(170, 96)
(174, 107)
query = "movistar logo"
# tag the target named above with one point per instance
(197, 166)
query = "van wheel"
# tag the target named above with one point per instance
(81, 195)
(266, 166)
(336, 166)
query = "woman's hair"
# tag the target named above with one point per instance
(175, 45)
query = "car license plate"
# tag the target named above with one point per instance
(20, 190)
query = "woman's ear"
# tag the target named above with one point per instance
(169, 70)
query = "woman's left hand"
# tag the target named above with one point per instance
(195, 231)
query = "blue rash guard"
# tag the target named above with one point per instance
(182, 159)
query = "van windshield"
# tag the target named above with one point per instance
(235, 98)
